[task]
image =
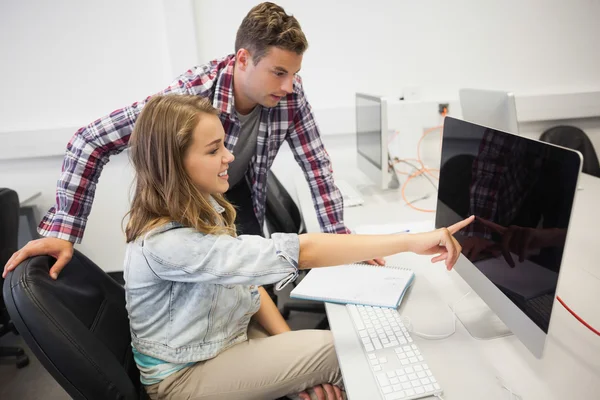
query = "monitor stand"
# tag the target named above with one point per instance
(479, 319)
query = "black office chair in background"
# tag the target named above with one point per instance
(77, 326)
(576, 139)
(9, 233)
(282, 215)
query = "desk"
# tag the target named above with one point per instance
(465, 367)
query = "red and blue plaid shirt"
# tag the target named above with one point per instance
(291, 120)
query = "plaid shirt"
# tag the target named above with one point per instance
(291, 119)
(502, 177)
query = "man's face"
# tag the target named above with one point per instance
(272, 77)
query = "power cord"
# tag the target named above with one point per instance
(427, 336)
(513, 395)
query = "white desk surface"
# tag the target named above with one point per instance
(468, 368)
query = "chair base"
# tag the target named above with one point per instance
(21, 359)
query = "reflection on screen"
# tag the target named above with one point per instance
(368, 129)
(521, 192)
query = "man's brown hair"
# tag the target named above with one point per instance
(268, 25)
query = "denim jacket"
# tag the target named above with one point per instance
(191, 295)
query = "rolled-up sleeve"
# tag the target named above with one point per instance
(184, 255)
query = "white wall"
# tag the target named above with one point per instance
(66, 63)
(383, 46)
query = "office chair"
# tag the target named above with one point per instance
(576, 139)
(77, 326)
(9, 233)
(282, 215)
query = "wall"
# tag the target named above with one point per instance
(66, 63)
(383, 46)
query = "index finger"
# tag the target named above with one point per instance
(16, 259)
(461, 224)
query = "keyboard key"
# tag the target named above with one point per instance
(399, 372)
(409, 370)
(391, 374)
(424, 381)
(383, 360)
(421, 374)
(377, 368)
(374, 362)
(412, 377)
(383, 380)
(395, 396)
(428, 388)
(372, 356)
(419, 390)
(418, 368)
(395, 381)
(397, 388)
(388, 389)
(407, 386)
(410, 392)
(369, 347)
(413, 360)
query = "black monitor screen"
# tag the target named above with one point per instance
(521, 192)
(368, 128)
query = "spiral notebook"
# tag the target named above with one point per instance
(356, 284)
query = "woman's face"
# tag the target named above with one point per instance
(207, 158)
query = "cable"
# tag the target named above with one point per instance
(409, 325)
(513, 395)
(577, 316)
(439, 396)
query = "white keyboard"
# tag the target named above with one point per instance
(349, 193)
(397, 364)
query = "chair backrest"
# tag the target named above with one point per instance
(77, 326)
(576, 139)
(9, 223)
(9, 235)
(282, 213)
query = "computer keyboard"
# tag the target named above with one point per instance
(349, 193)
(396, 362)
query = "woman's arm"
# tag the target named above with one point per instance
(321, 249)
(268, 316)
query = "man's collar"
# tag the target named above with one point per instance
(223, 99)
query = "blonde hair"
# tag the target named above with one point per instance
(163, 190)
(268, 25)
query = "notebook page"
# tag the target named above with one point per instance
(357, 284)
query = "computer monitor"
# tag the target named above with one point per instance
(493, 108)
(372, 140)
(521, 192)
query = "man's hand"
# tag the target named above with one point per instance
(60, 249)
(325, 391)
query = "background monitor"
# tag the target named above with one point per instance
(371, 140)
(521, 192)
(493, 108)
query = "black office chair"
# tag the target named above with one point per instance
(9, 233)
(576, 139)
(77, 326)
(282, 215)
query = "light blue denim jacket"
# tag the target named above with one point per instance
(191, 295)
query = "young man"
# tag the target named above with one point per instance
(262, 103)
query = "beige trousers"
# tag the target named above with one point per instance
(263, 368)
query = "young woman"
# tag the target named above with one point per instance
(201, 325)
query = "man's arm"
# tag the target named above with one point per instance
(87, 152)
(304, 139)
